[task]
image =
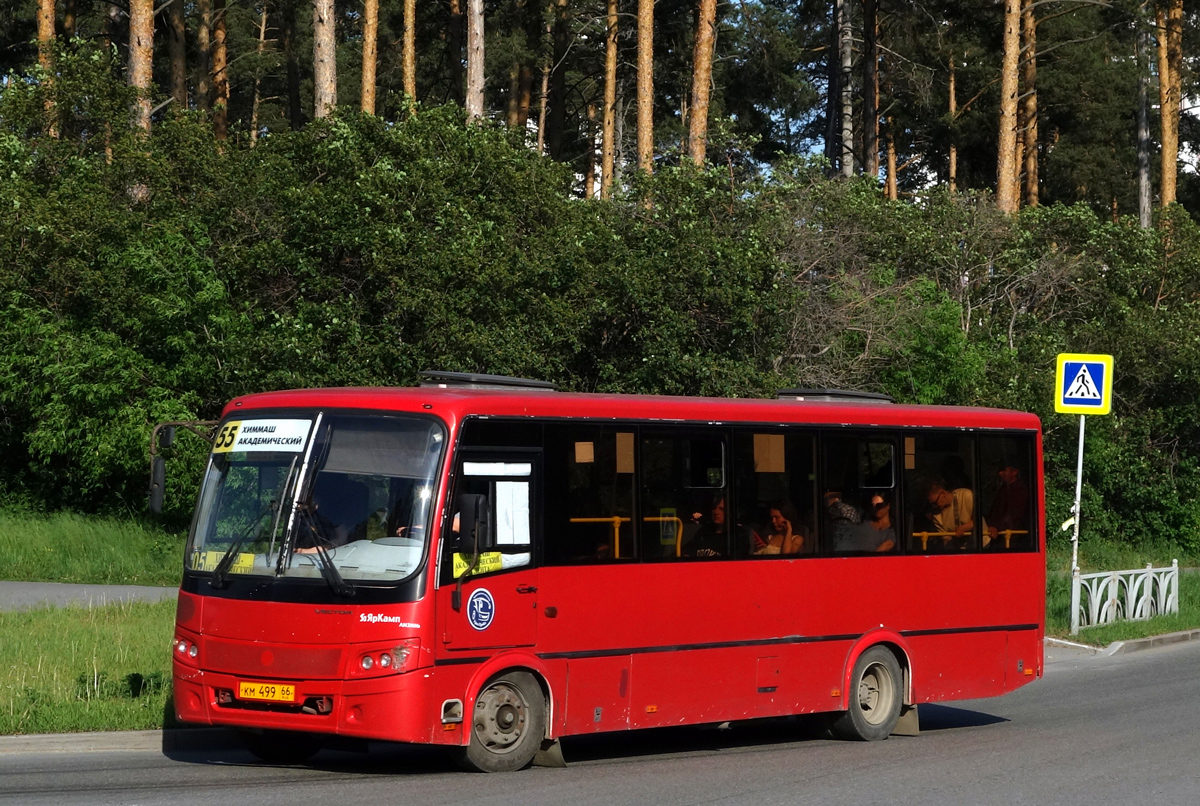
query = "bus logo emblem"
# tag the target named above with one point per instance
(480, 609)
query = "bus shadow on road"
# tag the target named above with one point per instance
(945, 717)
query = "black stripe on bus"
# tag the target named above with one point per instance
(785, 640)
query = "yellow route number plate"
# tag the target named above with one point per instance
(271, 692)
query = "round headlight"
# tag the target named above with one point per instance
(181, 647)
(385, 660)
(367, 662)
(193, 651)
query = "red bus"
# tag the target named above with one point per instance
(489, 564)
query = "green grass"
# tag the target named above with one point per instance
(85, 669)
(65, 547)
(1112, 556)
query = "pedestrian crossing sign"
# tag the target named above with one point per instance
(1083, 384)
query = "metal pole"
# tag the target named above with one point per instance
(1075, 580)
(1078, 495)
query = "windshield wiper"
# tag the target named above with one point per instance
(324, 562)
(330, 573)
(219, 574)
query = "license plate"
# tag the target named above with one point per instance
(271, 692)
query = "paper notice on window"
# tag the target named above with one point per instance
(585, 453)
(768, 453)
(512, 513)
(624, 452)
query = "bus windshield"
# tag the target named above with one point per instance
(281, 497)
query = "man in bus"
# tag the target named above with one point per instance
(1009, 512)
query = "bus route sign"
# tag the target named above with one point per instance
(1083, 384)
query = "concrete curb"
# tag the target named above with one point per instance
(121, 741)
(1124, 647)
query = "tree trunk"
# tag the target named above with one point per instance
(204, 55)
(262, 46)
(220, 67)
(953, 124)
(177, 48)
(871, 87)
(454, 44)
(846, 57)
(69, 17)
(610, 103)
(833, 78)
(45, 35)
(514, 91)
(475, 66)
(292, 60)
(558, 82)
(370, 23)
(1029, 106)
(1006, 189)
(324, 59)
(645, 85)
(706, 24)
(1170, 62)
(409, 72)
(141, 57)
(524, 97)
(544, 98)
(890, 189)
(1145, 197)
(589, 169)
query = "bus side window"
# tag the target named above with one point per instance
(589, 501)
(508, 489)
(858, 497)
(684, 497)
(1006, 500)
(939, 470)
(774, 476)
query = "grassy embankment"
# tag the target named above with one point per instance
(86, 668)
(108, 668)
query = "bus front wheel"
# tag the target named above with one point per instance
(508, 724)
(875, 697)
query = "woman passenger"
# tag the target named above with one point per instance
(784, 536)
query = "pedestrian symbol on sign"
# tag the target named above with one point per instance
(1083, 386)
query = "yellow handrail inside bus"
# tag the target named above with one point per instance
(617, 520)
(1008, 534)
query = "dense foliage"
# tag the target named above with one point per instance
(152, 279)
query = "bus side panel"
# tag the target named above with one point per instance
(598, 694)
(960, 666)
(1024, 658)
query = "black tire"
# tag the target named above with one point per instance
(281, 747)
(507, 726)
(875, 697)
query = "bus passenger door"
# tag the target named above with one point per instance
(497, 600)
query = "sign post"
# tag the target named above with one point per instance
(1083, 386)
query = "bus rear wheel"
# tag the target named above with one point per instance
(508, 724)
(875, 698)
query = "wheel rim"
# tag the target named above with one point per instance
(876, 693)
(501, 714)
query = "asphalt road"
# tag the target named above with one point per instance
(28, 595)
(1096, 730)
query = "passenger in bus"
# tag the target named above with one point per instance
(880, 523)
(1009, 511)
(711, 539)
(784, 535)
(842, 522)
(952, 512)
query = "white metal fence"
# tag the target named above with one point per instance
(1133, 595)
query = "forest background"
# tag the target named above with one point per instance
(878, 195)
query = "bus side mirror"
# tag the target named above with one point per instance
(473, 517)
